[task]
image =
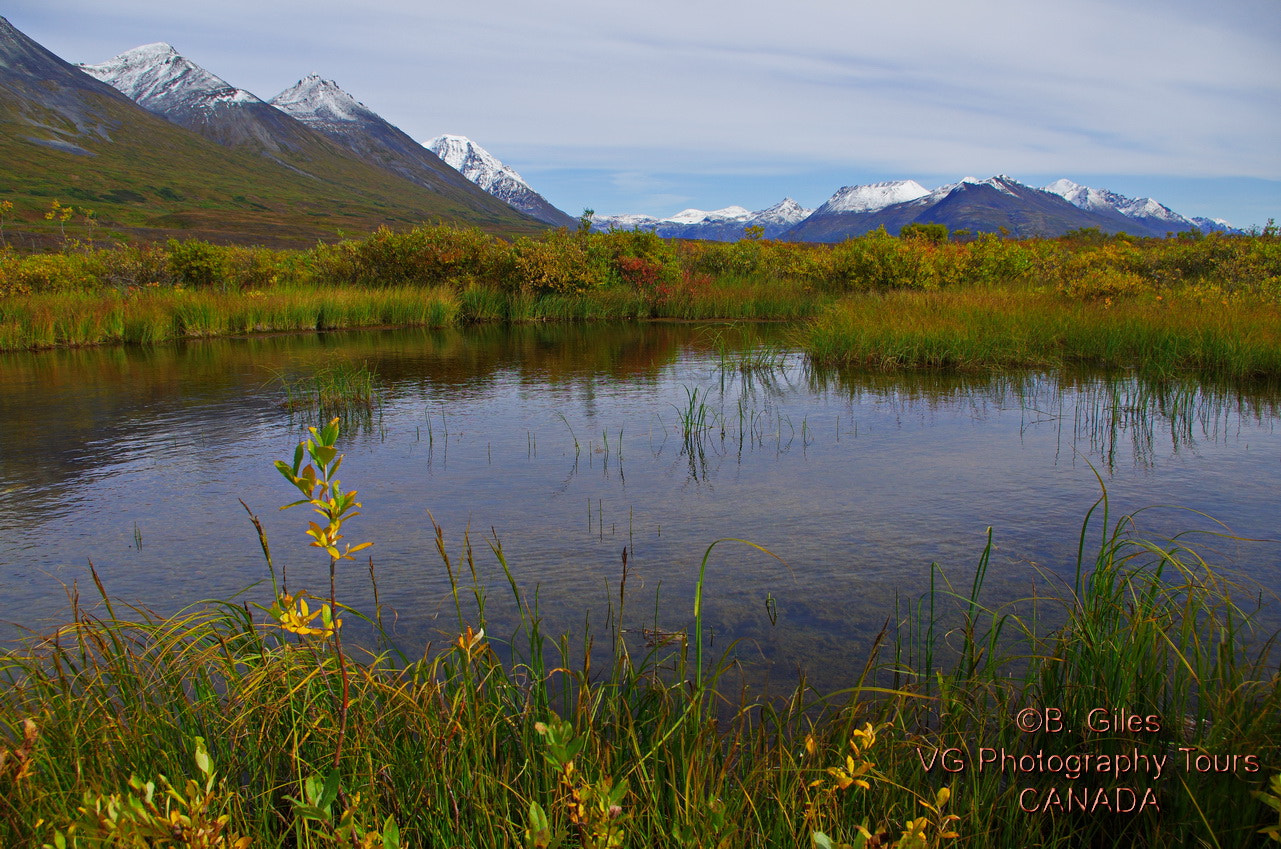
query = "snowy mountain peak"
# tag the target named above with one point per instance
(313, 99)
(873, 196)
(1002, 183)
(475, 163)
(159, 78)
(1102, 200)
(785, 212)
(487, 171)
(698, 216)
(726, 224)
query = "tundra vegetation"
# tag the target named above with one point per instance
(1204, 304)
(286, 718)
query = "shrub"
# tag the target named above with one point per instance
(423, 256)
(25, 275)
(558, 264)
(935, 234)
(197, 263)
(129, 266)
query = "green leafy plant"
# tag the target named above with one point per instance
(196, 815)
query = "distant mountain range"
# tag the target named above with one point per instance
(723, 225)
(159, 145)
(980, 206)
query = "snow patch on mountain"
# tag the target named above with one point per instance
(487, 171)
(477, 164)
(1102, 200)
(873, 196)
(726, 224)
(314, 100)
(785, 213)
(160, 79)
(698, 216)
(624, 221)
(1003, 184)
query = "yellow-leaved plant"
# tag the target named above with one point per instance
(923, 832)
(196, 816)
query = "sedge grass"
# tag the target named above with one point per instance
(992, 329)
(463, 745)
(338, 389)
(69, 319)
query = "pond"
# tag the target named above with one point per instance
(565, 445)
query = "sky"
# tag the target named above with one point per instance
(657, 106)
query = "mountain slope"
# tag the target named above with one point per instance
(66, 136)
(485, 170)
(325, 108)
(162, 81)
(1155, 219)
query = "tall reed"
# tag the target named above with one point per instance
(294, 737)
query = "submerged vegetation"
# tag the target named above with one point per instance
(1131, 705)
(1205, 304)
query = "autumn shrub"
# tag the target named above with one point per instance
(423, 256)
(558, 264)
(197, 263)
(252, 268)
(135, 266)
(878, 262)
(36, 273)
(991, 260)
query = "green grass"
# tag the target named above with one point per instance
(337, 389)
(69, 319)
(993, 329)
(314, 741)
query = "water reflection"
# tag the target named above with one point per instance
(571, 443)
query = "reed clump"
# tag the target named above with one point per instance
(1186, 332)
(336, 389)
(236, 724)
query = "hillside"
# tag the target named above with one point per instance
(67, 137)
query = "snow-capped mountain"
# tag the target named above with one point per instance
(322, 103)
(326, 108)
(161, 80)
(349, 146)
(158, 78)
(722, 225)
(873, 196)
(487, 171)
(699, 216)
(1157, 218)
(1214, 225)
(980, 206)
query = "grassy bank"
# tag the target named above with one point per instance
(262, 725)
(1208, 305)
(1208, 335)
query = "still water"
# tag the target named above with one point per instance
(566, 444)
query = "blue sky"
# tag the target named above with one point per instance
(658, 106)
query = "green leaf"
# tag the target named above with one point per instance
(391, 833)
(202, 757)
(331, 789)
(330, 434)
